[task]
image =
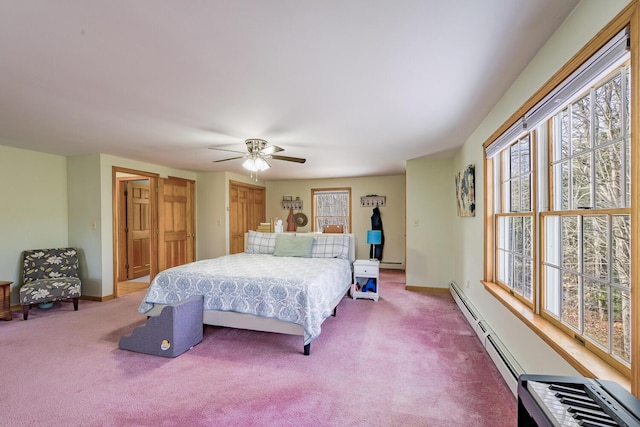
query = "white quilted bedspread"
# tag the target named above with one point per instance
(292, 289)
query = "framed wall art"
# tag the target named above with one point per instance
(465, 192)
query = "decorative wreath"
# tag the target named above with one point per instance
(300, 219)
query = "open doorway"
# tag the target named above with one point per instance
(153, 226)
(134, 217)
(134, 234)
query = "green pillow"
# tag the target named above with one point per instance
(288, 245)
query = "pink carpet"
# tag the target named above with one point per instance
(409, 359)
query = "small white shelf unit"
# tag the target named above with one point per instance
(366, 275)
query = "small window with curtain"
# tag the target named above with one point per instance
(331, 206)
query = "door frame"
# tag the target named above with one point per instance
(153, 220)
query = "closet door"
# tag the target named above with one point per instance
(138, 230)
(176, 225)
(247, 209)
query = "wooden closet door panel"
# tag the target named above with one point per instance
(247, 209)
(139, 229)
(175, 219)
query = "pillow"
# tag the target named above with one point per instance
(261, 243)
(335, 246)
(287, 245)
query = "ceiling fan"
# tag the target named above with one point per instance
(258, 155)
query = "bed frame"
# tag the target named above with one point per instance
(232, 319)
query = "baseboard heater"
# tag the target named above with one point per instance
(392, 265)
(507, 365)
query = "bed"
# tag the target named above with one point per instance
(285, 283)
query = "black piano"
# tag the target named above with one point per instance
(548, 400)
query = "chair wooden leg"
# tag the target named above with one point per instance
(75, 304)
(25, 311)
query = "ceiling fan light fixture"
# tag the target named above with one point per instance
(256, 164)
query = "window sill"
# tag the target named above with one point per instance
(584, 361)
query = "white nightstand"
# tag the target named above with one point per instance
(366, 279)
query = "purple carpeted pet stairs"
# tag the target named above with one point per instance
(177, 329)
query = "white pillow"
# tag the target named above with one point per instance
(334, 246)
(261, 243)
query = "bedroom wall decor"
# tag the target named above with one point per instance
(289, 203)
(373, 200)
(465, 191)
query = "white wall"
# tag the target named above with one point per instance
(33, 215)
(85, 219)
(533, 354)
(431, 207)
(211, 215)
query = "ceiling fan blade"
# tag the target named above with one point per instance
(271, 149)
(230, 158)
(224, 149)
(289, 159)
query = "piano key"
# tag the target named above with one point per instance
(596, 413)
(595, 420)
(579, 403)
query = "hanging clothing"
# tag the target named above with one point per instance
(376, 224)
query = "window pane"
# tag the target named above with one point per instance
(503, 270)
(525, 156)
(527, 278)
(515, 196)
(610, 177)
(595, 253)
(627, 96)
(621, 324)
(508, 263)
(627, 173)
(621, 250)
(517, 274)
(552, 246)
(527, 237)
(570, 242)
(515, 161)
(608, 117)
(525, 189)
(596, 312)
(503, 232)
(564, 136)
(332, 204)
(552, 290)
(561, 186)
(570, 300)
(581, 181)
(517, 234)
(580, 125)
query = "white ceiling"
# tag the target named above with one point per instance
(356, 86)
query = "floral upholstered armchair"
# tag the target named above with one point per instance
(49, 275)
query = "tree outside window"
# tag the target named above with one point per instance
(331, 206)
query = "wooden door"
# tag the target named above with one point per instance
(138, 230)
(176, 222)
(247, 209)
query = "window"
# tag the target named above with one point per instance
(587, 259)
(515, 220)
(331, 206)
(559, 206)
